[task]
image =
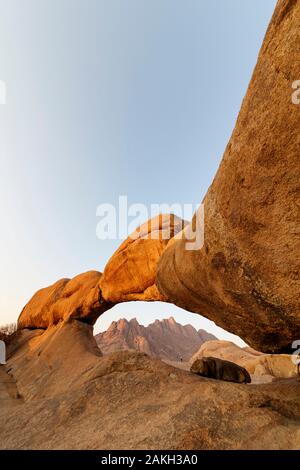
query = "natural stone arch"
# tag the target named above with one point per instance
(246, 276)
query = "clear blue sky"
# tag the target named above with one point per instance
(109, 98)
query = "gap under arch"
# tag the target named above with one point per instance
(148, 312)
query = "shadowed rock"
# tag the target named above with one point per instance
(246, 276)
(214, 368)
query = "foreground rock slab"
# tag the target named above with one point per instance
(103, 402)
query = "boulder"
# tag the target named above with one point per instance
(78, 298)
(214, 368)
(246, 276)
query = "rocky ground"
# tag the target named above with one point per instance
(127, 400)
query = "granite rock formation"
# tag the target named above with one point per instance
(245, 278)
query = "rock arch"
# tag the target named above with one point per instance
(246, 276)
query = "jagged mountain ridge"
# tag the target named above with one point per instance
(165, 339)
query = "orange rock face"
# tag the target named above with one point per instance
(131, 271)
(246, 277)
(79, 298)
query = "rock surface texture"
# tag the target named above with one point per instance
(61, 394)
(246, 277)
(165, 339)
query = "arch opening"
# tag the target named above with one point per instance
(158, 329)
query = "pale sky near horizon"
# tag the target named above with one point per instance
(107, 98)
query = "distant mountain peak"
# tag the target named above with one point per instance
(165, 338)
(172, 320)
